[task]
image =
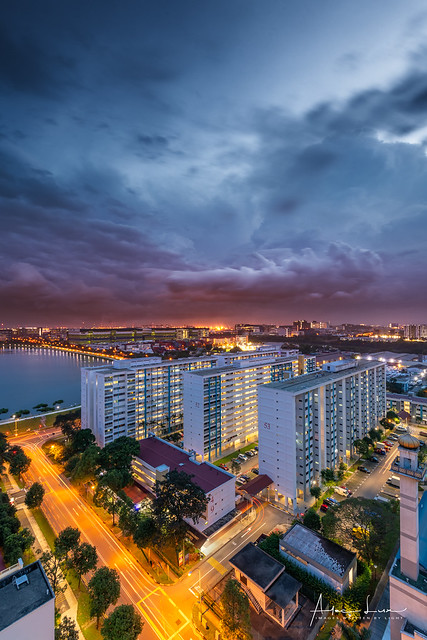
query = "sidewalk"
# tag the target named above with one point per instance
(66, 602)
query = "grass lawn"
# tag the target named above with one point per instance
(87, 624)
(19, 482)
(2, 485)
(33, 423)
(234, 454)
(45, 527)
(325, 631)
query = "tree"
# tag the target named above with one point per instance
(104, 590)
(86, 464)
(4, 446)
(81, 439)
(392, 415)
(53, 564)
(16, 544)
(315, 492)
(312, 520)
(67, 630)
(177, 497)
(362, 524)
(235, 467)
(236, 621)
(124, 623)
(84, 559)
(128, 519)
(328, 475)
(18, 462)
(35, 495)
(67, 540)
(106, 498)
(119, 453)
(362, 447)
(145, 533)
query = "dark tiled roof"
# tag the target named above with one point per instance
(283, 590)
(257, 484)
(257, 565)
(310, 545)
(157, 452)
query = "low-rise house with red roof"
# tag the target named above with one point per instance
(157, 457)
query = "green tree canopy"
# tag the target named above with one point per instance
(362, 447)
(119, 453)
(312, 520)
(67, 630)
(18, 462)
(145, 534)
(53, 565)
(124, 623)
(16, 543)
(86, 464)
(4, 446)
(104, 590)
(177, 498)
(67, 540)
(35, 495)
(236, 621)
(128, 519)
(315, 492)
(84, 559)
(361, 524)
(328, 476)
(81, 440)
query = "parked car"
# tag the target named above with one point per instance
(240, 481)
(374, 459)
(394, 438)
(255, 470)
(380, 452)
(224, 466)
(363, 469)
(331, 502)
(324, 507)
(242, 457)
(343, 491)
(250, 453)
(387, 443)
(256, 448)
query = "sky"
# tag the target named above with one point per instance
(201, 162)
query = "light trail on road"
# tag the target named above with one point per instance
(64, 507)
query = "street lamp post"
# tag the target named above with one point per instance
(16, 424)
(199, 584)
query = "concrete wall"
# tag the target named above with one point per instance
(37, 625)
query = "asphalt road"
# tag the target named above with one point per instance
(165, 609)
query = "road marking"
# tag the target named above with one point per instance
(218, 566)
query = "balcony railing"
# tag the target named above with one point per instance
(417, 473)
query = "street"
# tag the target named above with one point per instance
(165, 609)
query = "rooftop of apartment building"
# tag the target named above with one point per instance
(312, 546)
(400, 396)
(157, 452)
(243, 364)
(123, 366)
(313, 380)
(22, 592)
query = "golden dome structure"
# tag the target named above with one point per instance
(408, 442)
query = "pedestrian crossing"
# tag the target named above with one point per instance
(218, 566)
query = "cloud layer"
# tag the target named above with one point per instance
(159, 165)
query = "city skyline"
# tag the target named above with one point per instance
(212, 164)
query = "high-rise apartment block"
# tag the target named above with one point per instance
(221, 403)
(309, 423)
(145, 395)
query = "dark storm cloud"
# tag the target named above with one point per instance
(147, 175)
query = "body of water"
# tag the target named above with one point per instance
(29, 376)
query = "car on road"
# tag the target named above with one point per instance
(374, 459)
(363, 469)
(324, 507)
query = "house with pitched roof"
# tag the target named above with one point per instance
(323, 558)
(266, 583)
